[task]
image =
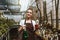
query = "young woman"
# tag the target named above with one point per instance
(28, 24)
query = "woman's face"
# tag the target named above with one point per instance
(29, 13)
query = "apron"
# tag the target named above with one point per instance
(29, 29)
(31, 34)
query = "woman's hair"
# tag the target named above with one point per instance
(30, 9)
(32, 12)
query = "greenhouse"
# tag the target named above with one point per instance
(29, 20)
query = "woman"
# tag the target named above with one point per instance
(29, 24)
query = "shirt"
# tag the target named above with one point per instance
(23, 21)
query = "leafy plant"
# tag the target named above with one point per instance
(4, 24)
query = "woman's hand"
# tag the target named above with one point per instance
(24, 27)
(20, 28)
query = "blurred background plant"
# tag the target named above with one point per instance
(5, 23)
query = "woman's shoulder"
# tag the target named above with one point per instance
(22, 20)
(33, 21)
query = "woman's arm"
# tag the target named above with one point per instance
(21, 25)
(33, 24)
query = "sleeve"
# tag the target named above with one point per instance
(21, 22)
(34, 23)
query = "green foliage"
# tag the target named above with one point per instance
(4, 24)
